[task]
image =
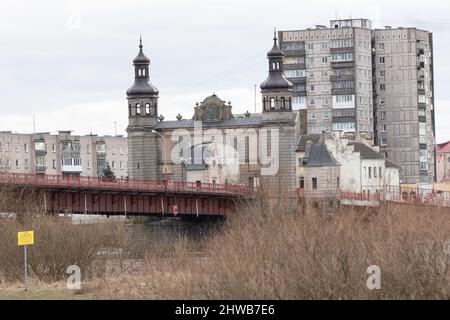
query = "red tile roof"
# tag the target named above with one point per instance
(443, 147)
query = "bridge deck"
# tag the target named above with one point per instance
(125, 185)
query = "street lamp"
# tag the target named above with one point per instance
(164, 153)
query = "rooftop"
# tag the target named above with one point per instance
(319, 156)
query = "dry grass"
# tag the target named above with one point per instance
(279, 251)
(58, 244)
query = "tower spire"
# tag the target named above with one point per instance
(275, 35)
(140, 42)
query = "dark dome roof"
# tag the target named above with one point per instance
(276, 80)
(276, 51)
(142, 87)
(141, 57)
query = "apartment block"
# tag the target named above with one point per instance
(331, 69)
(404, 100)
(62, 154)
(377, 83)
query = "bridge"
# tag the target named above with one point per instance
(93, 195)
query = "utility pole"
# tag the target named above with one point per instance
(255, 98)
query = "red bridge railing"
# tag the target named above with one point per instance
(40, 180)
(401, 195)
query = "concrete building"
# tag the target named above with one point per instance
(362, 168)
(404, 100)
(443, 162)
(331, 69)
(214, 146)
(62, 154)
(378, 83)
(321, 180)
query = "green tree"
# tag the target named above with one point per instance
(108, 174)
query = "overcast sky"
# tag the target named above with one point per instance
(69, 63)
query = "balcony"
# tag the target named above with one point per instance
(342, 91)
(422, 119)
(341, 49)
(420, 52)
(71, 169)
(297, 80)
(40, 153)
(420, 65)
(294, 52)
(342, 64)
(421, 92)
(40, 169)
(343, 77)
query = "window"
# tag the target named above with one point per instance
(25, 147)
(423, 166)
(17, 164)
(40, 161)
(383, 128)
(370, 172)
(312, 102)
(381, 46)
(302, 182)
(54, 164)
(77, 162)
(314, 183)
(381, 60)
(382, 87)
(53, 148)
(383, 114)
(113, 164)
(374, 172)
(296, 73)
(325, 115)
(325, 101)
(342, 43)
(383, 141)
(324, 60)
(17, 148)
(379, 171)
(312, 116)
(344, 98)
(138, 109)
(310, 47)
(40, 146)
(345, 126)
(337, 182)
(382, 73)
(120, 165)
(147, 109)
(342, 57)
(311, 88)
(310, 60)
(272, 103)
(26, 163)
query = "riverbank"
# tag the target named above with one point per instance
(285, 251)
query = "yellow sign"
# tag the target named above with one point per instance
(25, 238)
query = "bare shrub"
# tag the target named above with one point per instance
(58, 244)
(279, 251)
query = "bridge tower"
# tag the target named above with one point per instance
(279, 121)
(143, 145)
